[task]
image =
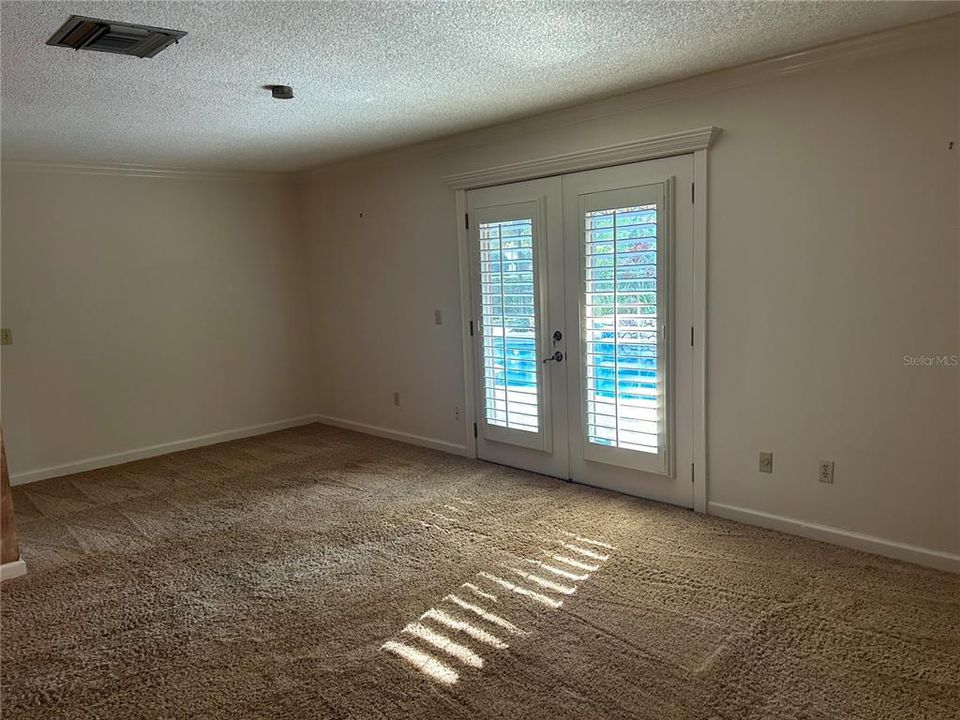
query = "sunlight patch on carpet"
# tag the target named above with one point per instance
(588, 541)
(432, 628)
(519, 590)
(442, 642)
(560, 572)
(485, 614)
(478, 592)
(571, 562)
(586, 553)
(427, 664)
(462, 626)
(543, 582)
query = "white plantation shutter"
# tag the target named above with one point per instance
(509, 325)
(506, 246)
(624, 314)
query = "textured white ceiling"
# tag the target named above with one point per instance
(368, 75)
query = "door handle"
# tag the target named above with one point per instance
(556, 357)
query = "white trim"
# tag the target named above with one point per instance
(102, 461)
(466, 317)
(130, 170)
(837, 536)
(432, 443)
(14, 569)
(678, 143)
(701, 229)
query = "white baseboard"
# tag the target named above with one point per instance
(10, 570)
(836, 536)
(433, 443)
(126, 456)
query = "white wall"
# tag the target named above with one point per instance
(833, 254)
(147, 310)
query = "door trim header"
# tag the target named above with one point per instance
(678, 143)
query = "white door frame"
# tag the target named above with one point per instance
(696, 142)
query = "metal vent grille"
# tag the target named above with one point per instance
(85, 33)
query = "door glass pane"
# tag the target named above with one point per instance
(507, 289)
(624, 392)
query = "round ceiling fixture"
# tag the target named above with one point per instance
(280, 92)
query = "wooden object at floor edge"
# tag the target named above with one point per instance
(9, 547)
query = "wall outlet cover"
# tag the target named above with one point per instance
(826, 471)
(6, 336)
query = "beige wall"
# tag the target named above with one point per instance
(148, 310)
(154, 310)
(833, 254)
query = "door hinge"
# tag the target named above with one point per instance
(466, 220)
(691, 336)
(471, 328)
(474, 429)
(693, 472)
(693, 192)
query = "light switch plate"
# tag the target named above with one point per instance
(6, 336)
(766, 462)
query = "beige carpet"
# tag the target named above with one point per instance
(317, 573)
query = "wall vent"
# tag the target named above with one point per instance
(84, 33)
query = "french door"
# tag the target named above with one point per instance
(583, 304)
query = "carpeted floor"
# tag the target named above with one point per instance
(318, 573)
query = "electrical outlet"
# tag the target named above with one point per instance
(826, 471)
(766, 462)
(6, 336)
(456, 413)
(396, 399)
(438, 317)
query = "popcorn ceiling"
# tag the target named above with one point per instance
(367, 75)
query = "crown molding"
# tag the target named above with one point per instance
(916, 36)
(128, 170)
(678, 143)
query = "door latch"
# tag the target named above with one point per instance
(556, 357)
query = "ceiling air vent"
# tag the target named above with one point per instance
(83, 33)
